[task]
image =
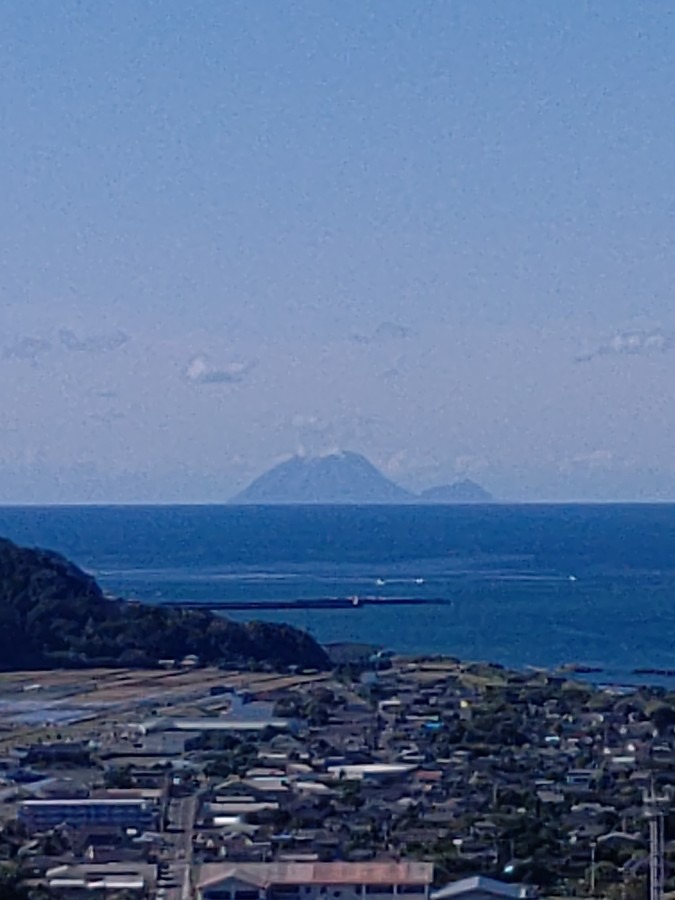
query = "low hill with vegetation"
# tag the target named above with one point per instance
(52, 614)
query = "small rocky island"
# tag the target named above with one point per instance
(54, 615)
(464, 491)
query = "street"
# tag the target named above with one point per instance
(176, 880)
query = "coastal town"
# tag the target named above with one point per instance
(337, 489)
(384, 777)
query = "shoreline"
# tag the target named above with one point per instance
(361, 652)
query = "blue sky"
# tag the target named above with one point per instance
(437, 233)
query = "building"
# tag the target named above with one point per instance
(224, 724)
(41, 815)
(72, 752)
(243, 716)
(377, 772)
(481, 888)
(89, 879)
(314, 881)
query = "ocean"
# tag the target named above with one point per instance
(528, 585)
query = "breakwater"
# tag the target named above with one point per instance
(308, 603)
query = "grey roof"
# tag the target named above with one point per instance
(485, 886)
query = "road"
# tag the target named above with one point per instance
(177, 885)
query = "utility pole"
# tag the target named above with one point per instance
(656, 808)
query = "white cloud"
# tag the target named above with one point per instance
(313, 434)
(385, 332)
(27, 348)
(95, 343)
(632, 343)
(591, 460)
(398, 367)
(201, 371)
(30, 348)
(106, 418)
(396, 464)
(470, 465)
(302, 420)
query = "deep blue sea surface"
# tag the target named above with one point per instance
(521, 585)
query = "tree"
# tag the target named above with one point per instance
(10, 886)
(119, 778)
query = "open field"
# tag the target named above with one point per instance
(36, 704)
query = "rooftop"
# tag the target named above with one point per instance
(266, 874)
(485, 886)
(85, 801)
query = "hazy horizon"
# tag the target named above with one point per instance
(436, 236)
(415, 495)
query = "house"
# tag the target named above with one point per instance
(223, 812)
(581, 778)
(314, 881)
(90, 879)
(479, 887)
(374, 772)
(100, 845)
(66, 752)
